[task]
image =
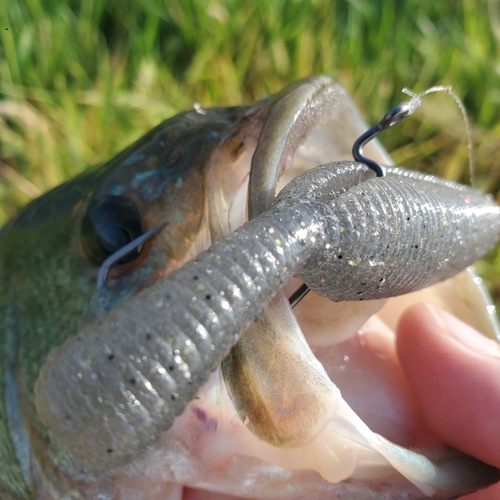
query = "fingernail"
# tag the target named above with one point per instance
(464, 334)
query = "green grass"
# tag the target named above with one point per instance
(81, 80)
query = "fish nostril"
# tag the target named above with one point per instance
(172, 158)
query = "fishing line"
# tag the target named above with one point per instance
(125, 250)
(401, 111)
(448, 89)
(393, 117)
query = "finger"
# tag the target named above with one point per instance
(455, 374)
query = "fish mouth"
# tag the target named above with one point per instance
(219, 448)
(210, 453)
(212, 450)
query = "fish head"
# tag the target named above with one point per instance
(161, 179)
(192, 174)
(164, 179)
(53, 249)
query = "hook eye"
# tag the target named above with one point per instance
(394, 116)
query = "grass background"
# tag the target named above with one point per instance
(80, 80)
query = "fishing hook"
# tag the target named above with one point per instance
(125, 250)
(390, 119)
(298, 295)
(397, 114)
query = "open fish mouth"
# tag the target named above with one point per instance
(213, 451)
(259, 428)
(310, 404)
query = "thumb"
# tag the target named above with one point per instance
(454, 372)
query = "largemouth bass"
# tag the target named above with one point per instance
(58, 440)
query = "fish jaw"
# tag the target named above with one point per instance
(138, 478)
(210, 448)
(345, 466)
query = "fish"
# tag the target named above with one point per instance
(192, 173)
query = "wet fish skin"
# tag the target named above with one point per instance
(15, 325)
(47, 282)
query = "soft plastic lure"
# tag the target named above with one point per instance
(418, 229)
(114, 364)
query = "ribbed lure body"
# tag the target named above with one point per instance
(135, 370)
(109, 392)
(392, 235)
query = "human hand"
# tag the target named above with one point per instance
(455, 374)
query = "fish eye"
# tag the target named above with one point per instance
(109, 225)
